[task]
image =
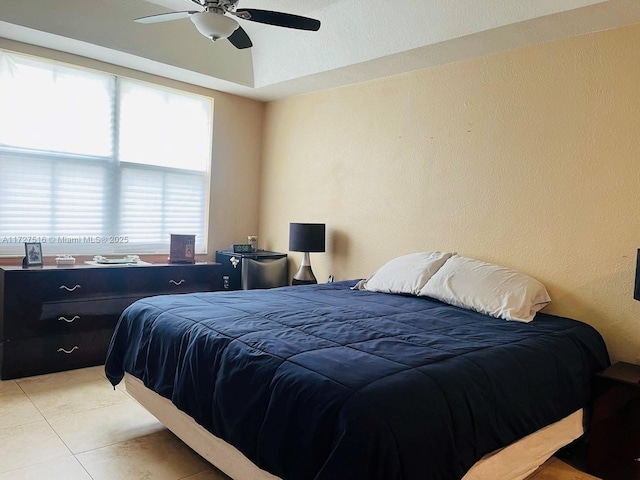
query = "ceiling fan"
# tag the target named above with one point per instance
(214, 23)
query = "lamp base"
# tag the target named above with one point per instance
(304, 275)
(295, 281)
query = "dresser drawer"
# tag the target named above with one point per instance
(51, 318)
(39, 355)
(170, 279)
(29, 286)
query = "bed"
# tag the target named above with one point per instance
(326, 382)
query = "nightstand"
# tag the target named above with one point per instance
(614, 440)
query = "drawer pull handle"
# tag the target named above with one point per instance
(69, 289)
(69, 351)
(75, 317)
(177, 283)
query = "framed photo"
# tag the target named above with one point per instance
(33, 254)
(182, 249)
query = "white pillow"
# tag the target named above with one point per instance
(487, 288)
(406, 274)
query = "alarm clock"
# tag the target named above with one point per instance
(241, 248)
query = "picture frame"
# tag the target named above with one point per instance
(32, 255)
(182, 248)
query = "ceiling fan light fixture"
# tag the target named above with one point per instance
(214, 25)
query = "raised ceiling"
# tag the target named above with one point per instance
(359, 39)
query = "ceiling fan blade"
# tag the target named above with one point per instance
(240, 39)
(279, 19)
(165, 17)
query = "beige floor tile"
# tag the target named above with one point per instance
(157, 456)
(100, 370)
(67, 468)
(26, 445)
(17, 410)
(50, 381)
(78, 397)
(84, 431)
(207, 475)
(9, 387)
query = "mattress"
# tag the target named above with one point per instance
(324, 382)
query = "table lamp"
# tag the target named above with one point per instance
(306, 237)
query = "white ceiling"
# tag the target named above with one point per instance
(359, 39)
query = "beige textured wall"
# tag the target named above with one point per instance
(237, 148)
(529, 159)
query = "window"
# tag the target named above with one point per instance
(92, 163)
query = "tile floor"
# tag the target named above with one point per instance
(74, 426)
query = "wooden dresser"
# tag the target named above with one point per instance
(60, 318)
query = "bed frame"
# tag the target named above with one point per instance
(514, 462)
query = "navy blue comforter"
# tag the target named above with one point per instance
(327, 383)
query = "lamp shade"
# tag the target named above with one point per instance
(636, 291)
(306, 237)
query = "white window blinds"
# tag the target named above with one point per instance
(95, 164)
